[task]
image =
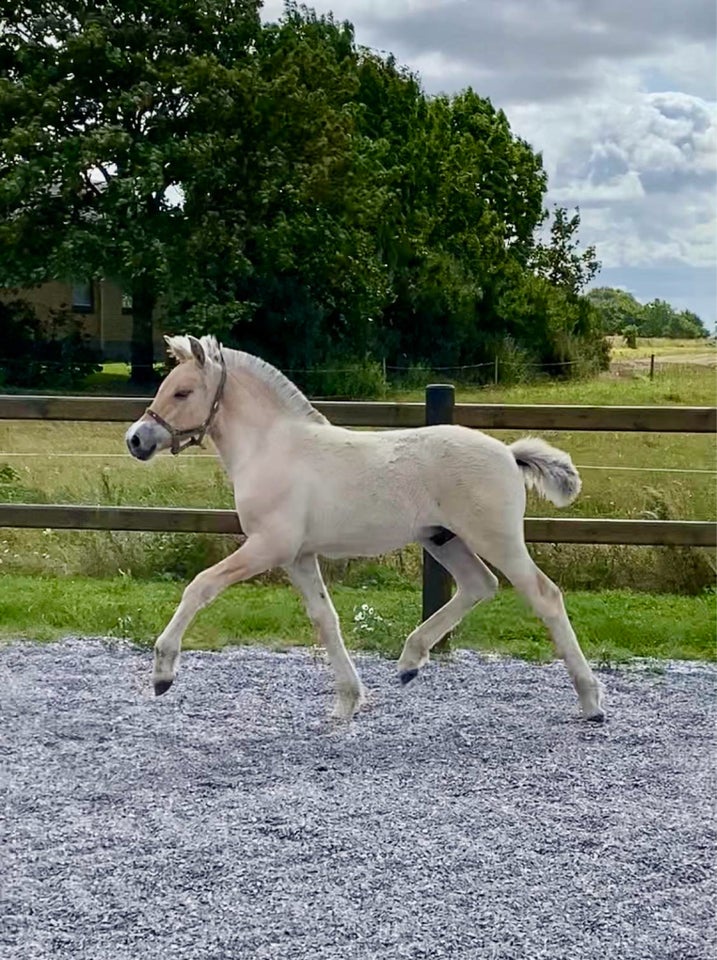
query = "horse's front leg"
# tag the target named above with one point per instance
(255, 556)
(305, 575)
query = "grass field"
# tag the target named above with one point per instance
(686, 351)
(625, 361)
(613, 626)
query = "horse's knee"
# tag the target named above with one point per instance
(200, 591)
(548, 595)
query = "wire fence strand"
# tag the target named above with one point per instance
(210, 456)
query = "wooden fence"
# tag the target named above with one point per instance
(484, 416)
(438, 408)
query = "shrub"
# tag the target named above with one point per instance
(630, 335)
(352, 379)
(56, 355)
(515, 363)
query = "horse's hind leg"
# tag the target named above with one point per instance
(547, 601)
(474, 582)
(305, 575)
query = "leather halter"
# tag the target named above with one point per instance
(195, 434)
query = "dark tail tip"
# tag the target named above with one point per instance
(161, 686)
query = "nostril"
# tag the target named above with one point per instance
(134, 440)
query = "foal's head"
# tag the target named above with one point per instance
(186, 402)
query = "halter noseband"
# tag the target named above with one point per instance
(195, 434)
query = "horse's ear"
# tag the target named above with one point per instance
(178, 347)
(197, 350)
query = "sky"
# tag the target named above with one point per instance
(619, 97)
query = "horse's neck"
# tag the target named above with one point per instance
(249, 414)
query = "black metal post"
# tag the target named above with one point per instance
(437, 583)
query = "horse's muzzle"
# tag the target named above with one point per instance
(142, 441)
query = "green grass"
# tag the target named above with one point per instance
(692, 386)
(113, 379)
(613, 626)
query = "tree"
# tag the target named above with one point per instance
(274, 184)
(559, 260)
(284, 219)
(618, 309)
(659, 319)
(462, 198)
(103, 110)
(689, 325)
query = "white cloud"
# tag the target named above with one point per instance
(640, 166)
(618, 96)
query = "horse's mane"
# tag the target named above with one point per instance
(291, 399)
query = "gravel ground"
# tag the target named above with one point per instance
(470, 815)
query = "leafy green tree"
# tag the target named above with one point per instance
(277, 185)
(560, 332)
(559, 261)
(659, 319)
(656, 320)
(630, 335)
(462, 198)
(104, 107)
(284, 221)
(689, 325)
(618, 309)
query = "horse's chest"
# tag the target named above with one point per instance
(258, 500)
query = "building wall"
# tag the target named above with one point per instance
(108, 326)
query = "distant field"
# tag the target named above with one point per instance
(679, 351)
(691, 385)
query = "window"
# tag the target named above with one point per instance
(126, 302)
(83, 300)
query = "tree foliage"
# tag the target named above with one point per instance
(98, 126)
(620, 311)
(278, 185)
(55, 355)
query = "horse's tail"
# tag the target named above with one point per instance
(547, 470)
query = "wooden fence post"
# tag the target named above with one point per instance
(437, 583)
(652, 366)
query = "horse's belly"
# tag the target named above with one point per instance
(363, 545)
(358, 525)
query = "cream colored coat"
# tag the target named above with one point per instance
(305, 488)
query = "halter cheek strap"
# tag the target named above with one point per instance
(195, 435)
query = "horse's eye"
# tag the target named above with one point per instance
(182, 394)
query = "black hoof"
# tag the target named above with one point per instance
(405, 676)
(161, 686)
(596, 717)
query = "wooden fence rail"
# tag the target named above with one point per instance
(484, 416)
(694, 533)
